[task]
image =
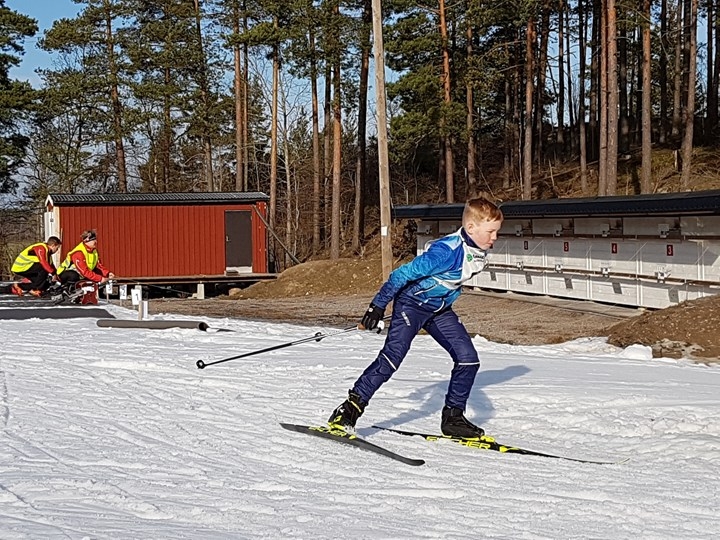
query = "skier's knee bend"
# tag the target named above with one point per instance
(376, 374)
(465, 353)
(383, 367)
(463, 375)
(471, 365)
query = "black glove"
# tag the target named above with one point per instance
(372, 317)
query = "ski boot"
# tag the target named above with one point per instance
(454, 424)
(347, 414)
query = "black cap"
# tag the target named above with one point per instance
(89, 236)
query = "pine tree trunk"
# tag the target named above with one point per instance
(447, 140)
(334, 45)
(541, 69)
(167, 136)
(716, 75)
(664, 103)
(337, 160)
(570, 133)
(646, 172)
(316, 218)
(603, 128)
(470, 121)
(327, 151)
(712, 90)
(290, 194)
(116, 105)
(560, 136)
(530, 41)
(582, 139)
(274, 135)
(207, 158)
(238, 89)
(595, 61)
(687, 144)
(508, 131)
(361, 159)
(246, 107)
(509, 119)
(612, 102)
(677, 76)
(622, 73)
(205, 99)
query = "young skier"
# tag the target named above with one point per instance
(422, 292)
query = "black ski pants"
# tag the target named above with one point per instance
(38, 276)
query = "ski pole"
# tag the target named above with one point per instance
(317, 337)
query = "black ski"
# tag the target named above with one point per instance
(489, 443)
(351, 439)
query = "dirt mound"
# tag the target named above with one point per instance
(320, 278)
(688, 329)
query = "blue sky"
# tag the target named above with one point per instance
(45, 12)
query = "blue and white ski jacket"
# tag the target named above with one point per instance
(435, 277)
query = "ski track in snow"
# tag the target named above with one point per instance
(114, 433)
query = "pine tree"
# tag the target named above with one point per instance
(162, 49)
(96, 74)
(16, 97)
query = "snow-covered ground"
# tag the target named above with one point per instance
(114, 433)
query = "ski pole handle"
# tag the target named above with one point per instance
(378, 329)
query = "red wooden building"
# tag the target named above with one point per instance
(167, 236)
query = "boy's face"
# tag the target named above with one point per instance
(483, 233)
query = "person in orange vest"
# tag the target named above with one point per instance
(35, 265)
(83, 263)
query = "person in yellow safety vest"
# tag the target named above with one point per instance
(83, 262)
(35, 265)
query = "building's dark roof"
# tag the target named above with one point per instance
(428, 211)
(160, 199)
(662, 204)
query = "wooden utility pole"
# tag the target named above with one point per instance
(383, 162)
(447, 139)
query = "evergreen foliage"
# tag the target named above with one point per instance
(16, 97)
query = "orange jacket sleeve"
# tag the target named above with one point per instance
(78, 258)
(100, 268)
(42, 255)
